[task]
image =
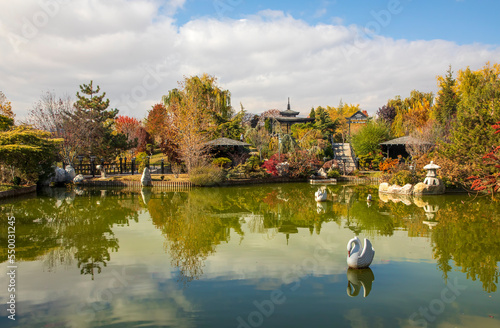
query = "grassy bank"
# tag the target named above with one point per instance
(6, 187)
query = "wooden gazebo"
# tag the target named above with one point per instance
(397, 146)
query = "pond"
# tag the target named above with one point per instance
(249, 256)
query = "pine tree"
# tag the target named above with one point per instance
(312, 114)
(447, 101)
(92, 124)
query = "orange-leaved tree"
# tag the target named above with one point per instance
(489, 180)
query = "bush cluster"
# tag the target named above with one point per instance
(403, 177)
(333, 173)
(207, 175)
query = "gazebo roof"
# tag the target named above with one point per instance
(359, 115)
(226, 142)
(407, 140)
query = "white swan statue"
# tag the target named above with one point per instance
(320, 195)
(357, 258)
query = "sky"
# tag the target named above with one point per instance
(315, 52)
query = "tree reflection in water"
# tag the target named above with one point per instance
(62, 224)
(62, 228)
(469, 233)
(465, 230)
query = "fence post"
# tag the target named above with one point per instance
(125, 164)
(121, 167)
(133, 165)
(92, 165)
(162, 166)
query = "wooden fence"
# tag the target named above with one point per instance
(359, 180)
(118, 168)
(168, 185)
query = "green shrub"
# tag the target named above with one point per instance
(253, 163)
(206, 175)
(140, 161)
(222, 162)
(403, 177)
(16, 181)
(333, 173)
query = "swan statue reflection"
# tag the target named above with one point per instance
(357, 258)
(357, 279)
(320, 195)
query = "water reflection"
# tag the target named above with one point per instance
(357, 279)
(76, 228)
(469, 233)
(63, 226)
(464, 230)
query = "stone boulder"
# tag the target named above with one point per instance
(60, 176)
(146, 178)
(78, 179)
(70, 171)
(424, 189)
(332, 164)
(383, 187)
(394, 189)
(407, 189)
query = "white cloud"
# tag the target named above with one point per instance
(136, 53)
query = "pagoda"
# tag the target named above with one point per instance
(289, 117)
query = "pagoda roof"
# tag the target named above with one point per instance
(289, 119)
(288, 112)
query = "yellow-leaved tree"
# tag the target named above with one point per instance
(5, 106)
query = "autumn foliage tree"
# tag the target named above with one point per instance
(137, 135)
(5, 106)
(155, 122)
(194, 111)
(489, 180)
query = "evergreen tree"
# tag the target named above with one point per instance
(92, 123)
(324, 123)
(447, 101)
(477, 110)
(312, 114)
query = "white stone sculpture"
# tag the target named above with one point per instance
(357, 258)
(146, 178)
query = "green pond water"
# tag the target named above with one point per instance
(249, 256)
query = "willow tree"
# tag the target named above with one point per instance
(195, 111)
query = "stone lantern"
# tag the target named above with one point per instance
(432, 184)
(431, 177)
